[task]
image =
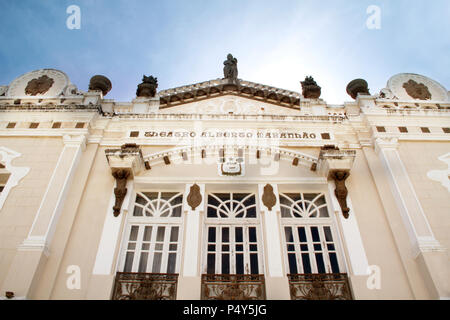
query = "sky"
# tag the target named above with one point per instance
(276, 43)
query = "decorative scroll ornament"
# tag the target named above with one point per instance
(417, 90)
(268, 198)
(341, 191)
(120, 191)
(194, 197)
(39, 86)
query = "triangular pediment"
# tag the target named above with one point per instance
(231, 104)
(228, 87)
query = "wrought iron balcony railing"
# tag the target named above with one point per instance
(233, 287)
(320, 286)
(145, 286)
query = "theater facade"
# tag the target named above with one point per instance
(224, 189)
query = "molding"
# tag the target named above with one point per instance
(75, 141)
(35, 243)
(385, 143)
(42, 132)
(427, 244)
(188, 179)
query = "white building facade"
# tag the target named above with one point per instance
(225, 189)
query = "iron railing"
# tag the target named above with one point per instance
(145, 286)
(320, 286)
(233, 287)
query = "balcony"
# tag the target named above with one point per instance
(321, 286)
(145, 286)
(233, 287)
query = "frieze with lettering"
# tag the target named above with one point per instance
(240, 134)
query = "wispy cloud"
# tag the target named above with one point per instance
(181, 42)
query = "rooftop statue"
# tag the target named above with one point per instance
(148, 87)
(230, 70)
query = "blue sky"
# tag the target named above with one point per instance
(276, 43)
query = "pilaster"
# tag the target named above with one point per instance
(32, 254)
(424, 247)
(277, 284)
(189, 282)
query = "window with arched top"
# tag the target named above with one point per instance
(232, 238)
(310, 239)
(153, 234)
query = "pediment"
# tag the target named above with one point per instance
(227, 87)
(231, 104)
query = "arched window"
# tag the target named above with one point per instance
(153, 234)
(310, 240)
(233, 244)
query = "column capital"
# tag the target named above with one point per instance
(427, 244)
(75, 141)
(385, 143)
(35, 243)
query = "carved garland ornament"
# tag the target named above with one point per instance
(417, 90)
(39, 86)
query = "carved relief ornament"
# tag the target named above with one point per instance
(341, 192)
(120, 191)
(268, 198)
(194, 197)
(417, 90)
(39, 85)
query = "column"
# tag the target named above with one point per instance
(189, 281)
(33, 252)
(277, 284)
(425, 249)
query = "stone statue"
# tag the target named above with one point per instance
(148, 87)
(230, 70)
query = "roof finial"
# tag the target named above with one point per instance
(230, 70)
